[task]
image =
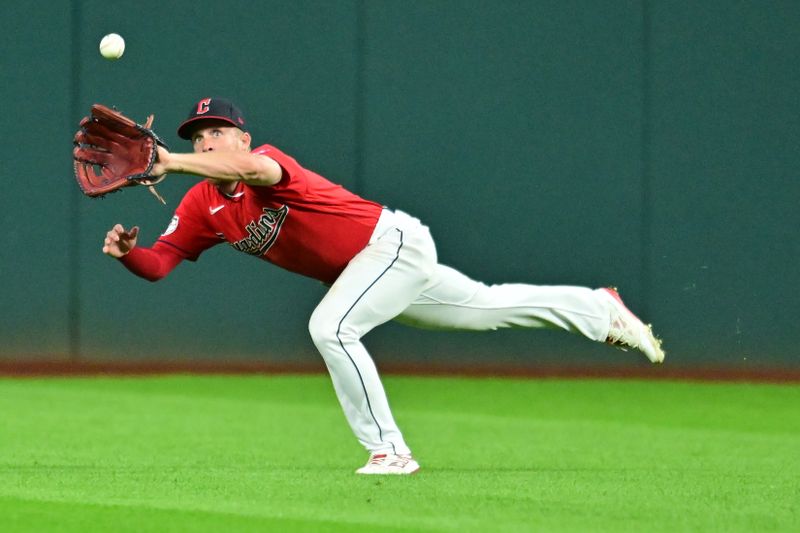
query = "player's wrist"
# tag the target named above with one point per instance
(125, 255)
(164, 161)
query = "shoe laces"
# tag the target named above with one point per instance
(400, 461)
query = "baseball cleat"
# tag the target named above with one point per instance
(389, 463)
(627, 331)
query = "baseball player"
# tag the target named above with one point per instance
(380, 264)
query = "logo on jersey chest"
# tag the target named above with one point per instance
(261, 233)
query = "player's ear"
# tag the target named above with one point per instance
(245, 139)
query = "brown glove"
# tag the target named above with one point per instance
(112, 151)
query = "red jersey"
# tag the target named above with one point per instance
(304, 223)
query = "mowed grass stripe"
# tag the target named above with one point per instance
(32, 515)
(500, 455)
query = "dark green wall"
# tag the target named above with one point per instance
(648, 145)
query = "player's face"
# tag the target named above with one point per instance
(218, 136)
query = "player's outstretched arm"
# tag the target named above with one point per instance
(253, 169)
(151, 264)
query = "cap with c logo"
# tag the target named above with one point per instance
(211, 108)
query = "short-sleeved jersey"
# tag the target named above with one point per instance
(304, 223)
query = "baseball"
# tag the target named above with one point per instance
(112, 46)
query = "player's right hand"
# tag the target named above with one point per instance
(119, 241)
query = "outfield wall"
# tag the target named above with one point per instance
(648, 145)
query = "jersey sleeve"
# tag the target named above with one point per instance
(153, 263)
(188, 233)
(292, 172)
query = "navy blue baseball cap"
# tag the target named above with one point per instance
(211, 108)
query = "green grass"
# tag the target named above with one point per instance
(188, 453)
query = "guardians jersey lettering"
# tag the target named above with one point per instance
(262, 232)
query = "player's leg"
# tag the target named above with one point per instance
(454, 301)
(377, 285)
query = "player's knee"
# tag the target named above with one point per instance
(317, 328)
(330, 333)
(323, 330)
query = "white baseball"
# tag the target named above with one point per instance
(112, 46)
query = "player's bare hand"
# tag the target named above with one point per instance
(120, 241)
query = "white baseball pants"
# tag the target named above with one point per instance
(397, 276)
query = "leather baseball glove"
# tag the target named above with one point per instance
(112, 151)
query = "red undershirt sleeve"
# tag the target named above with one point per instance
(153, 263)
